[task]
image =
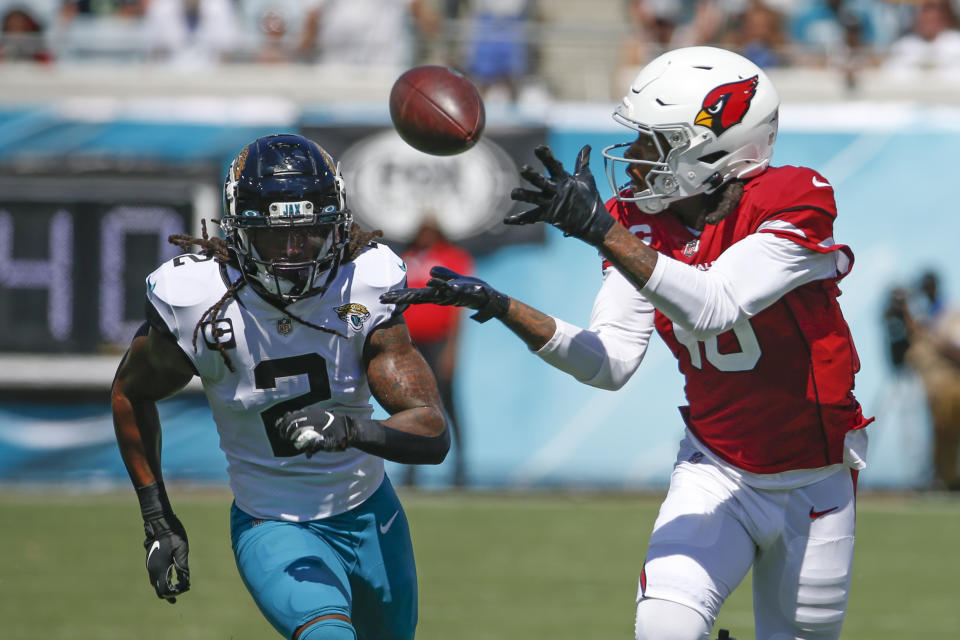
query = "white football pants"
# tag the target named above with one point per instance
(712, 529)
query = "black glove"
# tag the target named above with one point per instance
(448, 287)
(314, 429)
(166, 543)
(569, 202)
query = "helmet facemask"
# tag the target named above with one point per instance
(652, 165)
(295, 259)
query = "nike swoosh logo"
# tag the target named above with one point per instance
(151, 285)
(153, 547)
(819, 183)
(389, 523)
(816, 514)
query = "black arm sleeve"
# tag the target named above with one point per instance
(375, 438)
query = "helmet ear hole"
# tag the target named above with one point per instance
(710, 158)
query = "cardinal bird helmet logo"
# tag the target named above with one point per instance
(726, 105)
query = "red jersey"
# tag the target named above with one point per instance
(776, 393)
(432, 322)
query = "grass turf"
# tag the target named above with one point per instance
(531, 566)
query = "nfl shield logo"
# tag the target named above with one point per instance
(691, 248)
(284, 326)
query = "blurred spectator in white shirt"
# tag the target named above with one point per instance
(274, 46)
(273, 29)
(192, 33)
(22, 36)
(86, 30)
(366, 32)
(932, 44)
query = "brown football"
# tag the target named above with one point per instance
(437, 110)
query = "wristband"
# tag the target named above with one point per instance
(153, 501)
(497, 306)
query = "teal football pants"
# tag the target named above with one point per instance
(357, 564)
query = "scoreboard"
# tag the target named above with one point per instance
(74, 254)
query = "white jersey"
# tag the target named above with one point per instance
(281, 365)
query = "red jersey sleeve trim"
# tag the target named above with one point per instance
(827, 245)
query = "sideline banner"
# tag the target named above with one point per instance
(75, 443)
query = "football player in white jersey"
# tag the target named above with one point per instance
(280, 315)
(734, 264)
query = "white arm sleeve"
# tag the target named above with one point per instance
(606, 354)
(747, 278)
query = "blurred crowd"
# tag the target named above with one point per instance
(777, 33)
(923, 336)
(496, 42)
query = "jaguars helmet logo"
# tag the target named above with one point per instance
(241, 161)
(354, 314)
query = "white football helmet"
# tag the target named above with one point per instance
(704, 116)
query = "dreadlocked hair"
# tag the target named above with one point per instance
(359, 240)
(726, 201)
(217, 249)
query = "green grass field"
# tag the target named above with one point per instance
(541, 566)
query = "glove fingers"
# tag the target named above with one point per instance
(524, 217)
(408, 296)
(443, 292)
(393, 297)
(537, 179)
(164, 586)
(583, 160)
(399, 296)
(444, 273)
(528, 195)
(552, 165)
(183, 575)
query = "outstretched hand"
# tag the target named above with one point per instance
(447, 287)
(569, 202)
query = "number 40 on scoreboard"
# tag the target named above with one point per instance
(72, 269)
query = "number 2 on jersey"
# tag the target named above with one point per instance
(743, 360)
(265, 376)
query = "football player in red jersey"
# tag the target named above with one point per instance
(733, 262)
